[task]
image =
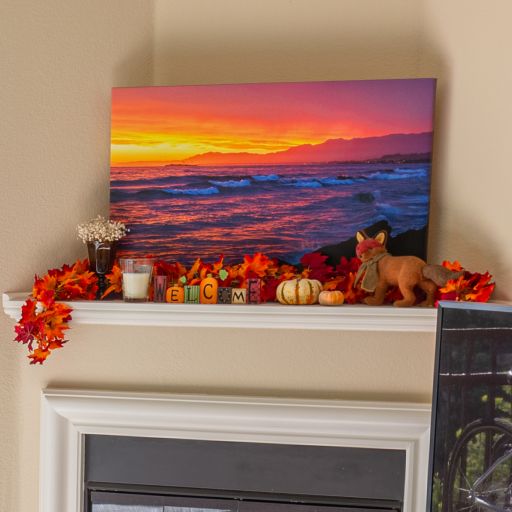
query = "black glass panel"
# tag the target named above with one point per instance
(243, 469)
(471, 453)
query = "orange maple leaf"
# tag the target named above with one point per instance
(353, 295)
(39, 355)
(44, 284)
(471, 287)
(455, 266)
(194, 270)
(56, 321)
(115, 278)
(257, 265)
(333, 284)
(218, 264)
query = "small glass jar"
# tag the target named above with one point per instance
(137, 274)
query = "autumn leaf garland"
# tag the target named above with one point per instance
(44, 320)
(469, 287)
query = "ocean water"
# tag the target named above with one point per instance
(285, 211)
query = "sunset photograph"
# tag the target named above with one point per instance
(279, 168)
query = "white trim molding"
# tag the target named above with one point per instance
(66, 416)
(271, 315)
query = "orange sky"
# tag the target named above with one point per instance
(158, 125)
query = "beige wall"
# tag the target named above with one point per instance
(58, 61)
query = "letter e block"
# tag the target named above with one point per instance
(253, 291)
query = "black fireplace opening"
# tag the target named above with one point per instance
(137, 474)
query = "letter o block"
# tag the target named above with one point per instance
(224, 295)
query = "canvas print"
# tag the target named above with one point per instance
(280, 168)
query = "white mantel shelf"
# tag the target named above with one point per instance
(263, 316)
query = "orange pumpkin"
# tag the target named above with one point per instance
(299, 291)
(208, 290)
(175, 294)
(331, 298)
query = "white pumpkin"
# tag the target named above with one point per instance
(299, 291)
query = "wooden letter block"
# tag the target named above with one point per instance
(175, 294)
(254, 291)
(159, 288)
(239, 296)
(208, 290)
(224, 295)
(192, 294)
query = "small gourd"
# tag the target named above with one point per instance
(331, 298)
(299, 291)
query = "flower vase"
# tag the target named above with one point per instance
(101, 260)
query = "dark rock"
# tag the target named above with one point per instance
(365, 197)
(410, 243)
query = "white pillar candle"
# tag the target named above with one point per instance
(135, 285)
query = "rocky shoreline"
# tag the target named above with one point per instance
(412, 242)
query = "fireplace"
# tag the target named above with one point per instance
(129, 452)
(123, 473)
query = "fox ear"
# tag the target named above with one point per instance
(360, 237)
(381, 237)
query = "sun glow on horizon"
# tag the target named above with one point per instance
(159, 125)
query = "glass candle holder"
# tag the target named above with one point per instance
(103, 252)
(92, 250)
(136, 278)
(101, 260)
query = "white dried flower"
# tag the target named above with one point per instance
(101, 230)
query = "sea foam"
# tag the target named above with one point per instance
(193, 191)
(265, 177)
(231, 183)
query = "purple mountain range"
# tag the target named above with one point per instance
(333, 150)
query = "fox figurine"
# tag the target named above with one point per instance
(379, 270)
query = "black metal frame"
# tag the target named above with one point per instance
(438, 378)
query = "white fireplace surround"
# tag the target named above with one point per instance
(66, 416)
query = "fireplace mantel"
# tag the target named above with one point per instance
(272, 315)
(68, 415)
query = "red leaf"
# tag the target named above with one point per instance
(315, 266)
(346, 266)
